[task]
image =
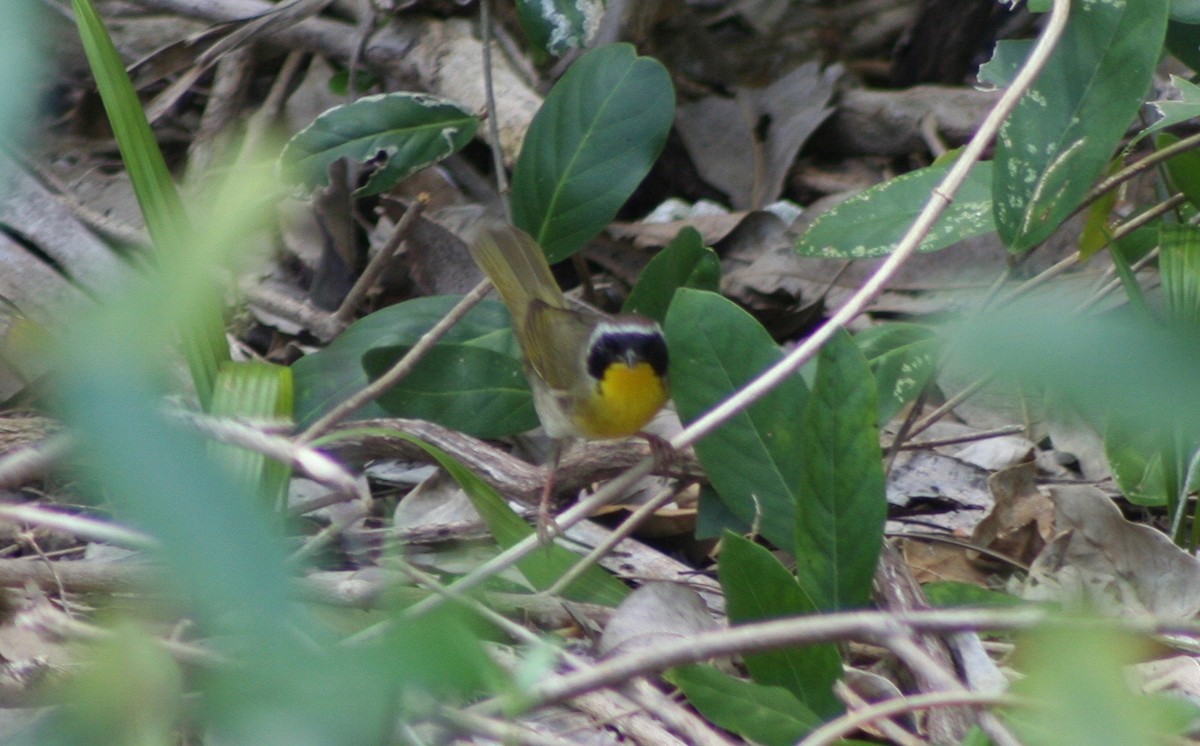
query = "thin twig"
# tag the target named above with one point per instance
(402, 367)
(379, 262)
(888, 727)
(840, 727)
(948, 405)
(622, 532)
(999, 432)
(79, 526)
(1127, 173)
(834, 627)
(27, 463)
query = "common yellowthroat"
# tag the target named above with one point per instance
(593, 376)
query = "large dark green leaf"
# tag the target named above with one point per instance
(401, 132)
(758, 588)
(841, 507)
(590, 145)
(768, 715)
(685, 262)
(478, 391)
(752, 459)
(330, 375)
(1063, 131)
(873, 221)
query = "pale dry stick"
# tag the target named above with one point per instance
(79, 526)
(402, 367)
(272, 107)
(379, 262)
(834, 627)
(640, 693)
(1107, 287)
(786, 367)
(926, 422)
(622, 532)
(999, 432)
(888, 727)
(903, 647)
(840, 727)
(302, 457)
(496, 730)
(30, 462)
(1153, 159)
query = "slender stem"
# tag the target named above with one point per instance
(379, 262)
(1127, 173)
(402, 367)
(840, 727)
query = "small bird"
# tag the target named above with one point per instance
(593, 375)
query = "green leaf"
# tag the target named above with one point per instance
(873, 221)
(768, 715)
(1179, 267)
(332, 374)
(1135, 458)
(542, 568)
(841, 507)
(21, 48)
(590, 145)
(758, 588)
(903, 358)
(1185, 11)
(1007, 59)
(1184, 169)
(1059, 138)
(1075, 681)
(203, 334)
(401, 132)
(480, 392)
(1176, 111)
(751, 461)
(254, 392)
(685, 263)
(558, 26)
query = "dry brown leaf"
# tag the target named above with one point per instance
(932, 561)
(654, 614)
(1110, 564)
(1022, 519)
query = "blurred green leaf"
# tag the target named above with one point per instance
(1185, 11)
(872, 222)
(903, 358)
(464, 387)
(758, 588)
(684, 263)
(542, 568)
(203, 331)
(593, 141)
(1079, 694)
(21, 24)
(254, 392)
(333, 373)
(1179, 268)
(1135, 457)
(400, 133)
(769, 715)
(556, 27)
(840, 508)
(1184, 169)
(751, 461)
(1176, 111)
(1058, 140)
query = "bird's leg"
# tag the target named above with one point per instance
(546, 527)
(660, 448)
